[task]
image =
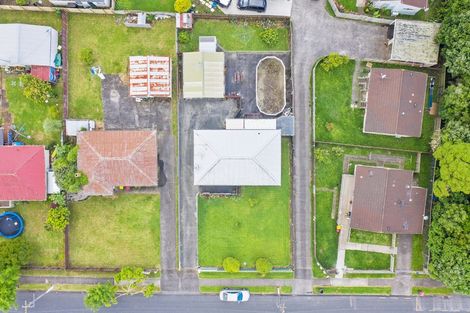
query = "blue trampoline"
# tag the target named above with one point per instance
(11, 225)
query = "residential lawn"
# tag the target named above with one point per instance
(361, 236)
(250, 226)
(254, 289)
(336, 121)
(360, 260)
(317, 272)
(35, 18)
(146, 5)
(47, 248)
(30, 116)
(348, 5)
(417, 256)
(354, 290)
(67, 273)
(328, 172)
(111, 232)
(112, 44)
(272, 275)
(327, 238)
(428, 291)
(235, 35)
(57, 287)
(425, 172)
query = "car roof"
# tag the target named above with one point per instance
(257, 3)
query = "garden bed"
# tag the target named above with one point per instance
(271, 86)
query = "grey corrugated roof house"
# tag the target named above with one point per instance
(24, 44)
(82, 3)
(237, 157)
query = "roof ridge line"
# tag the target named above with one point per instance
(26, 161)
(219, 158)
(255, 159)
(400, 94)
(131, 155)
(384, 200)
(143, 173)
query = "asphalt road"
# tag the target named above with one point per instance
(73, 303)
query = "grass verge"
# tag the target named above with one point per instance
(435, 291)
(353, 290)
(67, 273)
(361, 260)
(255, 289)
(327, 238)
(111, 232)
(256, 223)
(272, 275)
(417, 255)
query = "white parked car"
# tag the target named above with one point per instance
(230, 295)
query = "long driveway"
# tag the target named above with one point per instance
(315, 34)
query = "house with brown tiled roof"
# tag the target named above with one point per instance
(386, 201)
(117, 158)
(395, 102)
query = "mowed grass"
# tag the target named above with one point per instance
(251, 289)
(271, 275)
(112, 44)
(417, 255)
(360, 260)
(327, 238)
(146, 5)
(250, 226)
(353, 290)
(35, 18)
(30, 115)
(348, 5)
(337, 122)
(47, 248)
(111, 232)
(235, 36)
(361, 236)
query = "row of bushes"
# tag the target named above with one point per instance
(232, 265)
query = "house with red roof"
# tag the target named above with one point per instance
(23, 173)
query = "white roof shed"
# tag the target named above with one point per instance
(237, 157)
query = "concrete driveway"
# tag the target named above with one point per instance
(273, 8)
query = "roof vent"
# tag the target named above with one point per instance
(383, 76)
(371, 173)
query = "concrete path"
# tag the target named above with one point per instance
(402, 283)
(346, 193)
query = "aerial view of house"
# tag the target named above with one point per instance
(175, 155)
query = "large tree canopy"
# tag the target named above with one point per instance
(454, 173)
(449, 244)
(456, 103)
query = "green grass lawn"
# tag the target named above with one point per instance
(272, 275)
(333, 109)
(417, 256)
(348, 5)
(327, 238)
(47, 247)
(30, 115)
(235, 36)
(435, 291)
(253, 289)
(35, 18)
(250, 226)
(361, 236)
(360, 260)
(146, 5)
(112, 44)
(112, 232)
(354, 290)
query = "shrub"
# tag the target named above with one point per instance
(333, 60)
(65, 168)
(58, 199)
(184, 37)
(35, 89)
(337, 151)
(231, 265)
(86, 56)
(57, 219)
(182, 6)
(14, 252)
(22, 2)
(269, 36)
(322, 155)
(263, 266)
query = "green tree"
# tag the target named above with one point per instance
(57, 219)
(333, 60)
(454, 171)
(263, 266)
(231, 265)
(455, 132)
(68, 177)
(35, 89)
(182, 6)
(454, 35)
(58, 199)
(131, 281)
(14, 252)
(449, 245)
(22, 2)
(456, 103)
(9, 277)
(101, 295)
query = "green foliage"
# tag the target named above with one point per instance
(51, 126)
(455, 131)
(22, 2)
(184, 37)
(263, 266)
(9, 277)
(14, 252)
(35, 89)
(270, 37)
(58, 199)
(57, 219)
(86, 56)
(322, 155)
(231, 265)
(456, 103)
(449, 244)
(454, 174)
(454, 35)
(100, 295)
(333, 60)
(134, 274)
(130, 281)
(182, 6)
(65, 168)
(443, 8)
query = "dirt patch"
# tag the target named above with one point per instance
(271, 85)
